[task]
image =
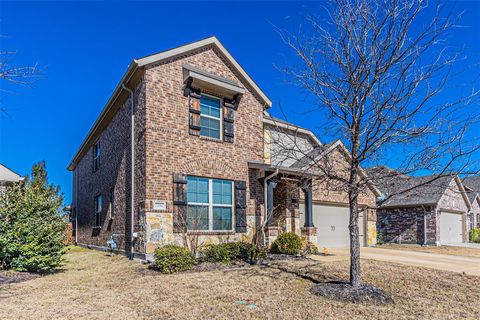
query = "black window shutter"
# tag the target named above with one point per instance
(179, 202)
(228, 121)
(240, 206)
(194, 112)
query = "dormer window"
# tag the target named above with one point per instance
(210, 116)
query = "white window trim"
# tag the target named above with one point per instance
(212, 117)
(210, 206)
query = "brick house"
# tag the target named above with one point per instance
(7, 178)
(434, 213)
(181, 150)
(472, 186)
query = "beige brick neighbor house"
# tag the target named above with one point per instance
(183, 149)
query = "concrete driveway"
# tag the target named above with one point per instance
(469, 265)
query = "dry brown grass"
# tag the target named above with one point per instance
(95, 286)
(454, 251)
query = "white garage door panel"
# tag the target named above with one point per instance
(332, 225)
(450, 227)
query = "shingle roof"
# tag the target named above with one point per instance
(425, 190)
(307, 159)
(473, 182)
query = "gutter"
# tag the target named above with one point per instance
(132, 167)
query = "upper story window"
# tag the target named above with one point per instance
(98, 201)
(210, 116)
(96, 156)
(210, 204)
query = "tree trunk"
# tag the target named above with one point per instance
(355, 274)
(353, 191)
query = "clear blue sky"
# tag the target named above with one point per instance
(85, 47)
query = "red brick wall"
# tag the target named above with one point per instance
(169, 146)
(114, 172)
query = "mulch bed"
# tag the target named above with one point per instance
(343, 291)
(7, 277)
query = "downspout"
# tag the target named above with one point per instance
(265, 193)
(132, 173)
(75, 176)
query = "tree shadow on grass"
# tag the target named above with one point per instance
(323, 284)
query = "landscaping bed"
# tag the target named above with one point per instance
(93, 285)
(7, 277)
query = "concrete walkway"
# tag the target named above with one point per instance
(469, 265)
(463, 245)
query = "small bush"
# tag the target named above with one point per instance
(287, 243)
(230, 251)
(309, 248)
(216, 253)
(474, 235)
(380, 238)
(171, 258)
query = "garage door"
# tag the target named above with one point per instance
(450, 227)
(332, 225)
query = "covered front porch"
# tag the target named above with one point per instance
(283, 189)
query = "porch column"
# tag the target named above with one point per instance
(270, 187)
(271, 231)
(309, 231)
(307, 191)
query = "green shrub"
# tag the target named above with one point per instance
(230, 251)
(380, 240)
(474, 235)
(32, 228)
(287, 243)
(309, 248)
(216, 253)
(171, 258)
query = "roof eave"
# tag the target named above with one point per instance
(155, 58)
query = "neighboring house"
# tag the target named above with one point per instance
(181, 150)
(435, 212)
(7, 178)
(472, 185)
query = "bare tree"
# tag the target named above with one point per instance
(23, 75)
(16, 74)
(376, 71)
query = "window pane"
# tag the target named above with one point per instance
(222, 218)
(222, 192)
(197, 190)
(197, 218)
(210, 106)
(210, 127)
(98, 203)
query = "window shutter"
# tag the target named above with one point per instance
(240, 206)
(194, 112)
(179, 202)
(228, 121)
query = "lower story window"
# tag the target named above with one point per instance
(210, 204)
(98, 210)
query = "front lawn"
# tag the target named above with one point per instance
(455, 251)
(95, 286)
